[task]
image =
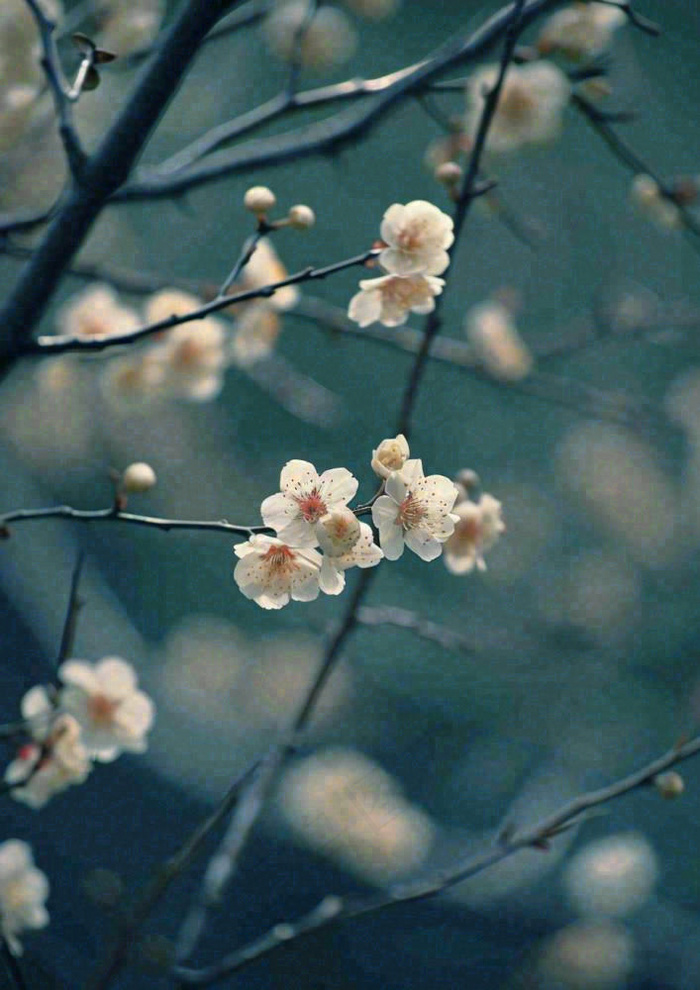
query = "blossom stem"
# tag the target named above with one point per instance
(12, 967)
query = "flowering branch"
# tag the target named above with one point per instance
(106, 170)
(510, 841)
(59, 343)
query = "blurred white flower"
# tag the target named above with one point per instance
(327, 39)
(390, 455)
(496, 343)
(612, 876)
(530, 105)
(418, 235)
(271, 572)
(373, 10)
(646, 195)
(257, 329)
(343, 804)
(96, 312)
(415, 511)
(50, 767)
(391, 298)
(114, 716)
(23, 890)
(477, 528)
(587, 955)
(127, 27)
(363, 553)
(581, 30)
(304, 498)
(265, 268)
(191, 358)
(133, 380)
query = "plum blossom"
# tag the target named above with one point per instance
(257, 330)
(271, 571)
(191, 360)
(363, 553)
(418, 235)
(304, 499)
(327, 39)
(581, 30)
(530, 105)
(415, 511)
(496, 343)
(23, 890)
(114, 716)
(338, 531)
(265, 268)
(478, 527)
(648, 197)
(391, 298)
(390, 455)
(96, 312)
(51, 766)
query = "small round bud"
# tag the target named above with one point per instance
(390, 455)
(669, 785)
(137, 478)
(259, 199)
(449, 173)
(301, 217)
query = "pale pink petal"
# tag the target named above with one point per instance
(116, 678)
(297, 478)
(384, 511)
(365, 307)
(331, 580)
(278, 511)
(396, 487)
(392, 541)
(422, 543)
(79, 674)
(337, 485)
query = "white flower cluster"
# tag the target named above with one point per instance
(581, 30)
(97, 714)
(311, 514)
(23, 890)
(417, 236)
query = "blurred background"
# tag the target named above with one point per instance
(576, 658)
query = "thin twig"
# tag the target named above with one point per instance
(72, 611)
(117, 515)
(12, 967)
(511, 840)
(64, 96)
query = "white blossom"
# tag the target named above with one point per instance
(338, 531)
(255, 335)
(23, 890)
(530, 105)
(50, 767)
(271, 572)
(647, 196)
(418, 235)
(96, 312)
(415, 511)
(127, 27)
(390, 455)
(114, 716)
(496, 343)
(391, 298)
(363, 553)
(304, 498)
(265, 268)
(581, 30)
(477, 528)
(191, 357)
(327, 39)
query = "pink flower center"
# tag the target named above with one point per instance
(412, 236)
(312, 506)
(280, 560)
(516, 103)
(101, 709)
(467, 533)
(188, 353)
(410, 512)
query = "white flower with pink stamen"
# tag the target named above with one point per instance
(306, 497)
(271, 572)
(23, 890)
(40, 770)
(418, 235)
(391, 298)
(478, 527)
(415, 511)
(113, 715)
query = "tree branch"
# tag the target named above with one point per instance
(510, 840)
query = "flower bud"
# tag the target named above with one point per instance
(390, 455)
(259, 199)
(338, 531)
(669, 785)
(301, 217)
(137, 478)
(448, 173)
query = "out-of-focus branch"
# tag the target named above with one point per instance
(403, 618)
(106, 171)
(72, 611)
(510, 840)
(331, 135)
